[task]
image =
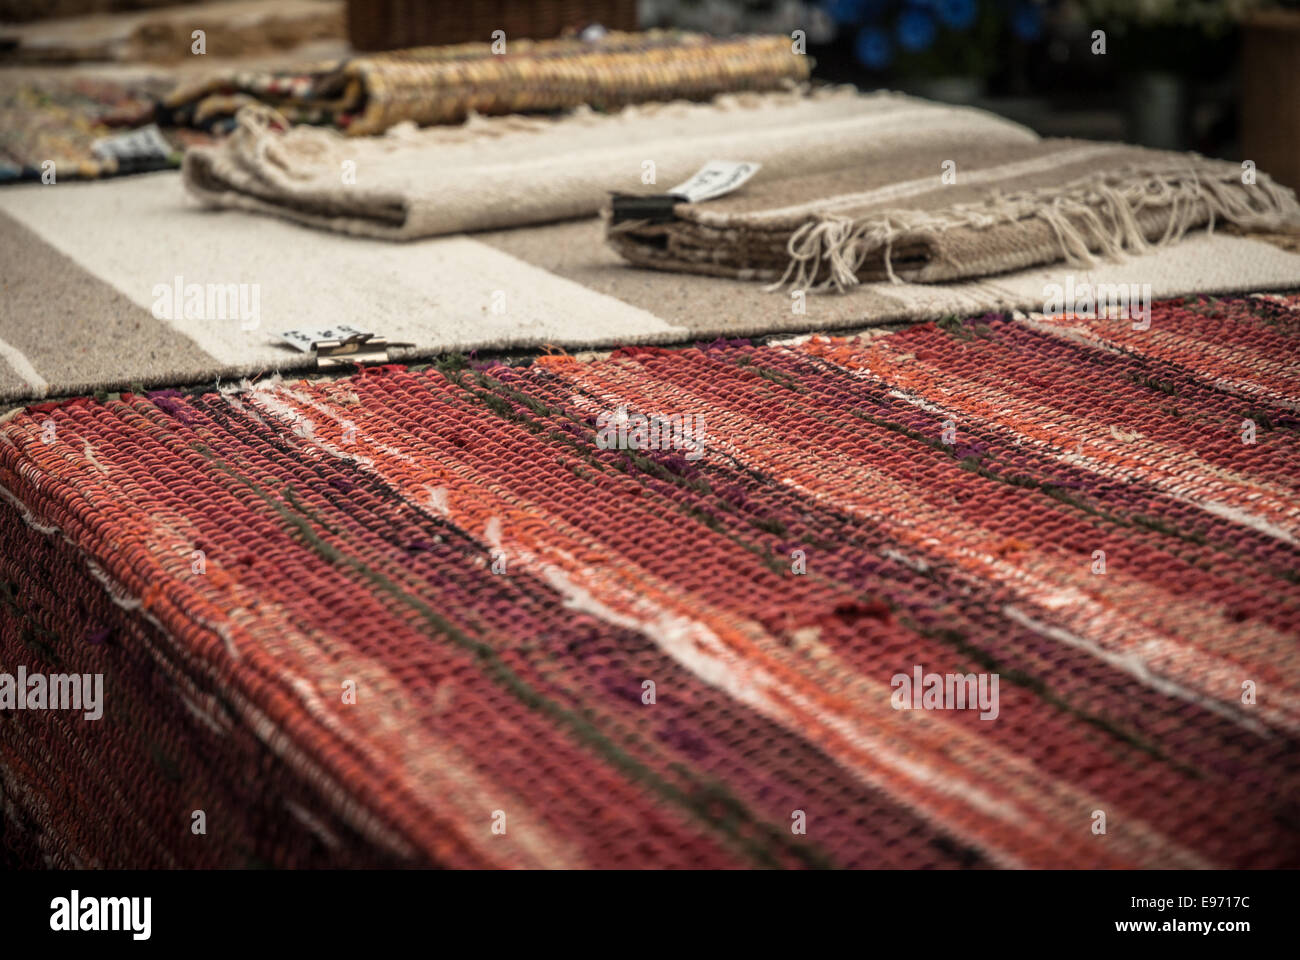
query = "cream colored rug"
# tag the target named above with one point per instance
(86, 270)
(515, 170)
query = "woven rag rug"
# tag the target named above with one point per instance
(939, 211)
(429, 617)
(496, 172)
(429, 85)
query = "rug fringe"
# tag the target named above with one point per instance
(1099, 214)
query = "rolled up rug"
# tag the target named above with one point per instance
(961, 209)
(430, 85)
(495, 172)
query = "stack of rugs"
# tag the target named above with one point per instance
(368, 94)
(636, 572)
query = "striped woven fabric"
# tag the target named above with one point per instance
(513, 170)
(481, 614)
(427, 85)
(1020, 204)
(522, 289)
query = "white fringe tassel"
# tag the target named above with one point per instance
(1100, 213)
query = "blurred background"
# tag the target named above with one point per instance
(1221, 77)
(1216, 76)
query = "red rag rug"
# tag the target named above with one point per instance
(1003, 592)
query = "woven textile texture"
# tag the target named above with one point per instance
(508, 171)
(430, 616)
(971, 206)
(556, 284)
(60, 121)
(427, 85)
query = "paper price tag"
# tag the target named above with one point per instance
(715, 178)
(303, 339)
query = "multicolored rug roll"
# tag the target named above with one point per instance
(1008, 592)
(429, 85)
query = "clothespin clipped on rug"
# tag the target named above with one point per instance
(341, 346)
(655, 208)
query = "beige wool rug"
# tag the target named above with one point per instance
(961, 209)
(81, 266)
(511, 171)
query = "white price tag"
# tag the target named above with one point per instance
(714, 179)
(303, 339)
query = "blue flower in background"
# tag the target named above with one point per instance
(958, 14)
(1027, 21)
(915, 29)
(874, 49)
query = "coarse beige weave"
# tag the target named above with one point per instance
(969, 206)
(84, 265)
(431, 85)
(510, 171)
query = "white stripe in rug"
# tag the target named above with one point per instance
(450, 293)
